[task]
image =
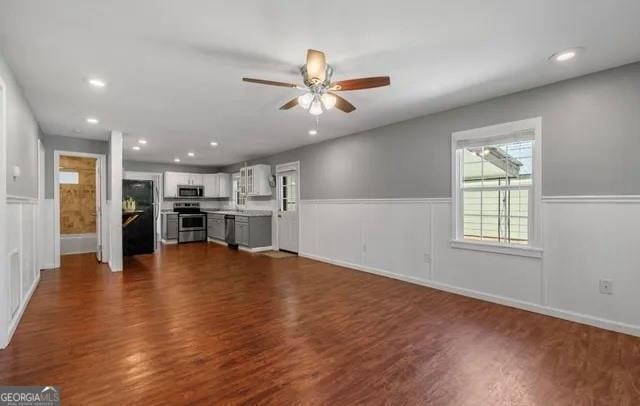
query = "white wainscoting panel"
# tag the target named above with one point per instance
(589, 241)
(508, 276)
(28, 250)
(397, 238)
(46, 234)
(409, 239)
(24, 275)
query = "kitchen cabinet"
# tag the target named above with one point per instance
(169, 226)
(195, 179)
(242, 230)
(211, 183)
(256, 179)
(172, 180)
(253, 232)
(215, 226)
(215, 184)
(224, 185)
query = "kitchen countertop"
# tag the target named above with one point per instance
(246, 213)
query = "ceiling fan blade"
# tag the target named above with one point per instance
(316, 66)
(362, 83)
(291, 103)
(343, 104)
(269, 82)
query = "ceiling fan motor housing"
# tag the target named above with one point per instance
(314, 83)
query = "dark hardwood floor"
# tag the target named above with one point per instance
(204, 324)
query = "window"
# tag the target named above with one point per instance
(288, 192)
(495, 187)
(69, 177)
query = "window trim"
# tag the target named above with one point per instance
(534, 247)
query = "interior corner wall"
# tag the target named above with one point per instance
(115, 204)
(380, 201)
(22, 139)
(19, 273)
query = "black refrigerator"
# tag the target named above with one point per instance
(139, 235)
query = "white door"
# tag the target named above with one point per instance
(98, 211)
(288, 210)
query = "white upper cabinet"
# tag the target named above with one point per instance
(224, 184)
(195, 179)
(256, 178)
(211, 183)
(171, 182)
(215, 184)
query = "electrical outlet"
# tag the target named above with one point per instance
(606, 286)
(364, 247)
(427, 258)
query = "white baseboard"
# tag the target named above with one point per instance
(169, 242)
(23, 306)
(48, 267)
(532, 307)
(255, 249)
(112, 268)
(78, 252)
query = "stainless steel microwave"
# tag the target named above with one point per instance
(190, 191)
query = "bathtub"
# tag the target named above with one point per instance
(78, 243)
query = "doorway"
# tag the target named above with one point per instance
(79, 203)
(288, 194)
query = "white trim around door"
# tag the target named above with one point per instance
(56, 199)
(280, 168)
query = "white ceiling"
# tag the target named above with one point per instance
(174, 68)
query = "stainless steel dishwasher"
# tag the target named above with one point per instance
(230, 231)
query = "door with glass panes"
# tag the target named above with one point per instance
(288, 210)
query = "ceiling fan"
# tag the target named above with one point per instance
(319, 90)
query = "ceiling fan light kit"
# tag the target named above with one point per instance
(319, 89)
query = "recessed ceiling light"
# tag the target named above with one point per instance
(143, 142)
(191, 154)
(176, 159)
(566, 55)
(313, 132)
(136, 148)
(213, 144)
(92, 120)
(95, 82)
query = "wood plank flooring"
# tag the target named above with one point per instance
(203, 324)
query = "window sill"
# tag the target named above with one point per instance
(523, 251)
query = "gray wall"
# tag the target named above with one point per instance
(53, 143)
(590, 144)
(137, 166)
(22, 138)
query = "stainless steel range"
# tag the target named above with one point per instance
(192, 223)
